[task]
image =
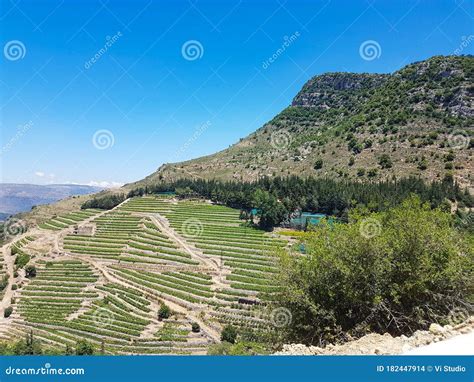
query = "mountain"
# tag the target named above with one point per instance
(415, 121)
(15, 198)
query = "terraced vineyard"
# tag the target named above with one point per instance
(108, 282)
(60, 222)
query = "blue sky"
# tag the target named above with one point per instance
(174, 80)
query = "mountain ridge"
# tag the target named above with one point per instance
(415, 121)
(21, 197)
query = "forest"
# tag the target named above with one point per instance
(277, 199)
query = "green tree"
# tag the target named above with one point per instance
(164, 312)
(8, 311)
(195, 327)
(30, 271)
(385, 161)
(229, 334)
(270, 211)
(84, 347)
(394, 271)
(27, 346)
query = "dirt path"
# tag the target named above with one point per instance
(53, 240)
(174, 306)
(162, 223)
(8, 292)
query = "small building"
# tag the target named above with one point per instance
(84, 230)
(248, 301)
(304, 219)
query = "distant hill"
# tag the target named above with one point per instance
(15, 198)
(416, 121)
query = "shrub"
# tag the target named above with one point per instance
(229, 334)
(423, 165)
(164, 312)
(241, 348)
(30, 271)
(14, 287)
(395, 271)
(372, 173)
(385, 161)
(22, 259)
(318, 164)
(105, 202)
(195, 327)
(7, 312)
(84, 348)
(3, 282)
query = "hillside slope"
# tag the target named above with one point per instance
(416, 121)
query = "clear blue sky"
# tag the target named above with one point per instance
(161, 107)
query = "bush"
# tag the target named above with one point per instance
(3, 282)
(241, 348)
(164, 312)
(385, 161)
(84, 348)
(395, 271)
(7, 312)
(14, 287)
(229, 334)
(22, 259)
(30, 271)
(105, 202)
(318, 164)
(195, 327)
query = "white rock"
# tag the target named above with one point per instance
(436, 329)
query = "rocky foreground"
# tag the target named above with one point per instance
(385, 344)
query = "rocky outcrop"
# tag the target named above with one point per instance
(384, 344)
(337, 89)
